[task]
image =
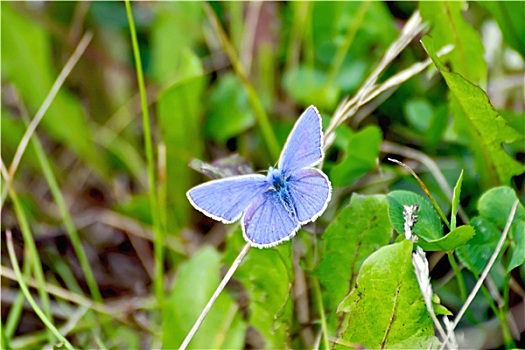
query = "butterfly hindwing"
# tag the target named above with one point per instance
(226, 199)
(303, 147)
(267, 222)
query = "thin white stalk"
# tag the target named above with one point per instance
(411, 29)
(404, 75)
(485, 272)
(489, 264)
(215, 295)
(68, 67)
(247, 45)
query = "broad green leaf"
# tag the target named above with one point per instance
(449, 27)
(515, 120)
(428, 225)
(307, 86)
(267, 276)
(357, 231)
(386, 308)
(12, 131)
(478, 250)
(360, 157)
(488, 128)
(26, 63)
(438, 125)
(495, 206)
(179, 23)
(455, 238)
(510, 17)
(229, 112)
(180, 107)
(223, 327)
(496, 203)
(335, 19)
(455, 201)
(418, 112)
(180, 114)
(517, 246)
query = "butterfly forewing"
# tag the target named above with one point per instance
(304, 145)
(226, 199)
(267, 222)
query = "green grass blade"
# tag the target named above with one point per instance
(67, 219)
(33, 253)
(255, 102)
(17, 307)
(158, 243)
(29, 297)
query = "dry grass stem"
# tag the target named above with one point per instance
(68, 67)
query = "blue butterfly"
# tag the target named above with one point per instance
(275, 206)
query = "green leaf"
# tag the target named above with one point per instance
(26, 63)
(455, 201)
(515, 120)
(488, 128)
(12, 130)
(180, 23)
(495, 205)
(360, 157)
(386, 308)
(267, 276)
(180, 107)
(517, 246)
(475, 254)
(307, 86)
(441, 310)
(449, 27)
(418, 112)
(455, 238)
(357, 231)
(197, 279)
(428, 225)
(510, 17)
(229, 111)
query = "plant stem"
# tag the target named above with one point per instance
(66, 217)
(340, 54)
(152, 190)
(29, 297)
(253, 98)
(319, 297)
(459, 276)
(485, 272)
(33, 254)
(68, 67)
(215, 295)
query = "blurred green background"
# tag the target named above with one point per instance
(221, 78)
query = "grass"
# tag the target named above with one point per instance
(96, 241)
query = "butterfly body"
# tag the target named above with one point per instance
(273, 207)
(279, 185)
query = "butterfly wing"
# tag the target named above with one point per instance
(267, 222)
(226, 199)
(310, 191)
(304, 146)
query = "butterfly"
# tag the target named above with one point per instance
(275, 206)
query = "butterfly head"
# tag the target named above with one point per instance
(275, 178)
